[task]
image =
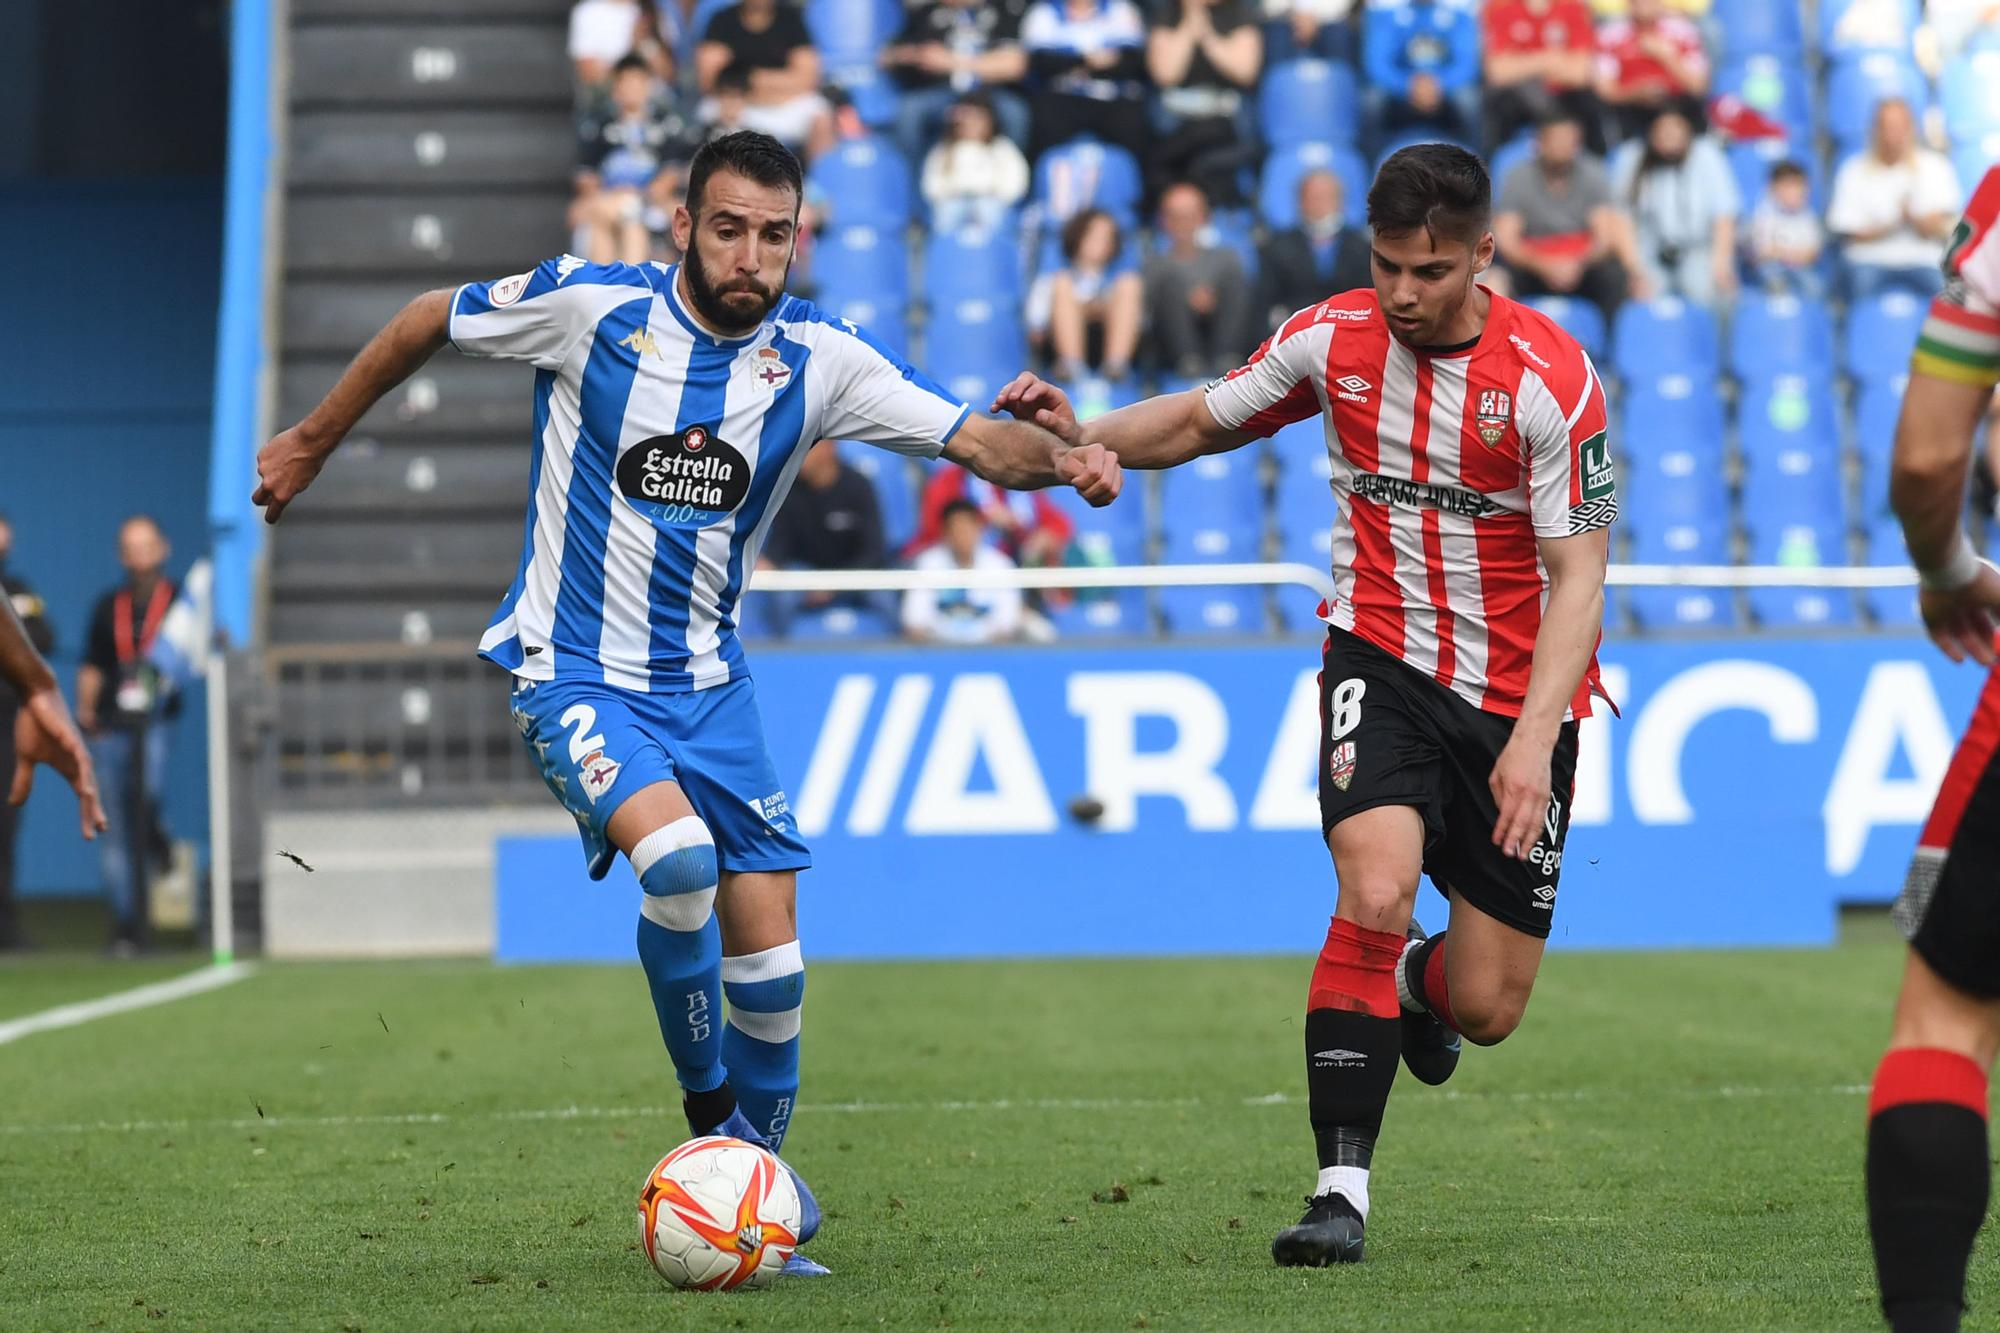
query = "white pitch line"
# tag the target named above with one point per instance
(123, 1002)
(559, 1113)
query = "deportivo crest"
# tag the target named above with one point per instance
(768, 370)
(1340, 765)
(1496, 413)
(598, 774)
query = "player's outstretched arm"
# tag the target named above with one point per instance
(1961, 592)
(1024, 457)
(1572, 622)
(43, 731)
(1161, 432)
(288, 464)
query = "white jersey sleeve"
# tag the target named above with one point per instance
(1274, 387)
(1572, 486)
(876, 397)
(540, 315)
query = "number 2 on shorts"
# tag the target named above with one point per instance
(1347, 706)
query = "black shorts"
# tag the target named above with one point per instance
(1390, 735)
(1950, 906)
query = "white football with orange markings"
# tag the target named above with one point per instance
(717, 1214)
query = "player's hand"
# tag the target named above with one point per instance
(285, 467)
(1962, 623)
(1028, 397)
(1520, 786)
(1093, 470)
(44, 734)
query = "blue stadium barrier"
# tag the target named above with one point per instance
(1580, 319)
(1806, 765)
(1664, 337)
(1288, 164)
(1309, 101)
(867, 184)
(1856, 83)
(1779, 335)
(1880, 334)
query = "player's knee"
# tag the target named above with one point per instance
(1487, 1017)
(1376, 900)
(677, 869)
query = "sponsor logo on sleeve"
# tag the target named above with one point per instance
(1600, 480)
(773, 809)
(1527, 349)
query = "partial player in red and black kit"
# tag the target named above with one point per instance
(1473, 490)
(1928, 1169)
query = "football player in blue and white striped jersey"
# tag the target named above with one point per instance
(673, 406)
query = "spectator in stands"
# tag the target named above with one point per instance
(1205, 57)
(948, 48)
(1880, 25)
(1031, 528)
(1894, 203)
(1649, 61)
(1556, 228)
(962, 615)
(1420, 67)
(1309, 29)
(34, 618)
(767, 43)
(629, 167)
(976, 174)
(1197, 295)
(1092, 308)
(831, 520)
(602, 33)
(1683, 203)
(123, 707)
(1087, 65)
(1541, 56)
(1786, 239)
(1316, 259)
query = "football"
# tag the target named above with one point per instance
(717, 1214)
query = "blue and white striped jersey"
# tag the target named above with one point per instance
(661, 455)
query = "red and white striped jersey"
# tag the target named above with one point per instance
(1447, 467)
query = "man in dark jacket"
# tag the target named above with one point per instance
(1322, 255)
(34, 618)
(831, 520)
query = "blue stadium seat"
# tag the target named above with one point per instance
(1780, 335)
(1775, 86)
(1287, 165)
(973, 347)
(1213, 509)
(851, 33)
(1084, 173)
(1787, 417)
(1855, 83)
(1800, 542)
(1700, 536)
(1113, 535)
(1095, 395)
(1221, 612)
(972, 267)
(1889, 606)
(1667, 336)
(1865, 29)
(887, 324)
(1103, 613)
(704, 10)
(1235, 229)
(1877, 405)
(1791, 481)
(1309, 101)
(1760, 27)
(1969, 92)
(840, 623)
(1580, 319)
(1880, 333)
(867, 182)
(895, 489)
(1304, 517)
(863, 261)
(1519, 149)
(1971, 159)
(1676, 414)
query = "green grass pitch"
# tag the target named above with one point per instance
(1671, 1141)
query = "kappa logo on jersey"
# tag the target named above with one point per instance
(508, 290)
(1340, 765)
(1353, 389)
(641, 342)
(598, 774)
(1496, 413)
(686, 480)
(567, 265)
(768, 369)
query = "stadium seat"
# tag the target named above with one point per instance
(1777, 87)
(972, 267)
(1779, 335)
(1213, 509)
(1287, 165)
(1095, 395)
(837, 623)
(851, 32)
(1972, 159)
(1700, 537)
(1880, 333)
(1113, 535)
(1867, 25)
(1969, 92)
(895, 490)
(1788, 412)
(1084, 173)
(1798, 542)
(1760, 27)
(1235, 229)
(1304, 516)
(1877, 405)
(973, 347)
(1889, 606)
(1222, 612)
(1667, 336)
(1309, 101)
(867, 182)
(1519, 149)
(1580, 319)
(1673, 415)
(862, 261)
(887, 324)
(1103, 613)
(1855, 83)
(1793, 482)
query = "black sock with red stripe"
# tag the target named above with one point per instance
(1354, 1041)
(1927, 1182)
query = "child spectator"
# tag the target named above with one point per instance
(948, 48)
(1786, 238)
(629, 167)
(962, 615)
(975, 174)
(1092, 308)
(1031, 528)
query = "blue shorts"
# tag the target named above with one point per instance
(596, 744)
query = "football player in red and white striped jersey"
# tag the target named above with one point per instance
(1472, 490)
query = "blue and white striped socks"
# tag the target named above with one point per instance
(760, 1043)
(680, 946)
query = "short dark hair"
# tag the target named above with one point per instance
(960, 505)
(749, 153)
(1438, 187)
(1079, 223)
(630, 62)
(1785, 169)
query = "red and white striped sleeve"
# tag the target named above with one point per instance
(1572, 486)
(1274, 387)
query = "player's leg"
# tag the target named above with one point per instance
(1478, 975)
(764, 980)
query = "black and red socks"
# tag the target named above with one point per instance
(1353, 1045)
(1928, 1177)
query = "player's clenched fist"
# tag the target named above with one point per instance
(1093, 470)
(1028, 397)
(285, 466)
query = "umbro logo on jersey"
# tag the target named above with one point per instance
(1353, 389)
(641, 342)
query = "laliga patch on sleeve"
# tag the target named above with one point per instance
(507, 290)
(1600, 480)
